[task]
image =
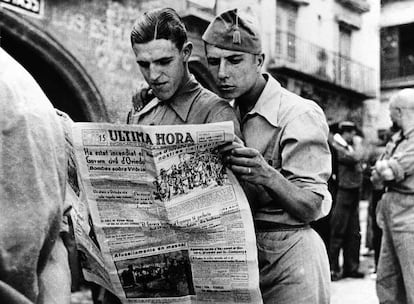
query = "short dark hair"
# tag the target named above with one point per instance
(162, 23)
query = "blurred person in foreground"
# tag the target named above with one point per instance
(395, 211)
(33, 260)
(284, 166)
(344, 222)
(173, 96)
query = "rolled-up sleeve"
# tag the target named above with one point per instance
(306, 158)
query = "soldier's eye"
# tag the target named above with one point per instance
(235, 60)
(213, 61)
(143, 64)
(165, 61)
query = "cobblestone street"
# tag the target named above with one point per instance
(346, 291)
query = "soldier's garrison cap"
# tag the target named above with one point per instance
(232, 32)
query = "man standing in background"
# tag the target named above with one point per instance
(284, 166)
(395, 210)
(344, 222)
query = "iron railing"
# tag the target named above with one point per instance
(402, 68)
(296, 54)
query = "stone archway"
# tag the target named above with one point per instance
(60, 75)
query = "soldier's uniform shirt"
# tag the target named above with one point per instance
(192, 104)
(291, 133)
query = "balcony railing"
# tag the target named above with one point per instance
(402, 69)
(302, 56)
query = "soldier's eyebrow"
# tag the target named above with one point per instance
(163, 59)
(234, 56)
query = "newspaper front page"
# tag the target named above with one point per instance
(157, 216)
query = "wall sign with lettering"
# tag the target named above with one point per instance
(29, 7)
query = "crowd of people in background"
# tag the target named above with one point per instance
(380, 172)
(352, 159)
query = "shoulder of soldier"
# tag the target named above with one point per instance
(293, 106)
(297, 102)
(210, 99)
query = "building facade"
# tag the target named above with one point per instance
(397, 51)
(328, 50)
(80, 53)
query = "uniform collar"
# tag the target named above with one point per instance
(184, 98)
(408, 133)
(268, 103)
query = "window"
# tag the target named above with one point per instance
(397, 51)
(389, 53)
(344, 69)
(286, 16)
(407, 49)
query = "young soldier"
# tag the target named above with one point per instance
(159, 42)
(286, 163)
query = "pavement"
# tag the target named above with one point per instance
(345, 291)
(358, 291)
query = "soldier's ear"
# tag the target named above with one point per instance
(399, 111)
(187, 50)
(261, 59)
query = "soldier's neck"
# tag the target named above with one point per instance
(247, 101)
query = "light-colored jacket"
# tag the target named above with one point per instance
(33, 260)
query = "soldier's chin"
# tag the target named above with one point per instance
(227, 95)
(162, 95)
(395, 127)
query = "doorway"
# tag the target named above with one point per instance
(62, 78)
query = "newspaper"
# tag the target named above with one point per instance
(157, 216)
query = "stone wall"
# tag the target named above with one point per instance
(97, 34)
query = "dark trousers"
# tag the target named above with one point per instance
(376, 231)
(345, 230)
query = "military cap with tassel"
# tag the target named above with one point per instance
(231, 32)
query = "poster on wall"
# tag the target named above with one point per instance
(34, 8)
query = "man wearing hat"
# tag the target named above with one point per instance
(345, 229)
(284, 166)
(173, 96)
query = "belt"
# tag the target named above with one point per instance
(265, 226)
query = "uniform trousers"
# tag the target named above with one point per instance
(293, 267)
